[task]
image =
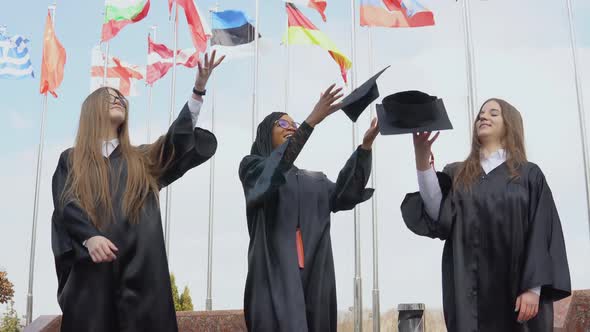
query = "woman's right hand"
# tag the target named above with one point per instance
(325, 106)
(101, 249)
(422, 149)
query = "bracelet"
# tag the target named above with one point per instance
(198, 92)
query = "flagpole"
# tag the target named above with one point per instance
(376, 304)
(358, 294)
(106, 59)
(29, 315)
(209, 299)
(167, 218)
(256, 66)
(287, 68)
(154, 29)
(470, 62)
(580, 100)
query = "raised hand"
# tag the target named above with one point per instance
(101, 249)
(325, 106)
(422, 149)
(205, 69)
(370, 135)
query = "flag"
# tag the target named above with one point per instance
(161, 58)
(319, 5)
(15, 60)
(231, 28)
(120, 75)
(302, 32)
(120, 13)
(233, 35)
(395, 14)
(53, 60)
(200, 30)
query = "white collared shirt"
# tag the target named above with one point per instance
(430, 188)
(432, 195)
(194, 106)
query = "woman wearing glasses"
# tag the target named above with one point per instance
(106, 227)
(291, 284)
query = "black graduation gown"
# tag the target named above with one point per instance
(279, 296)
(133, 293)
(501, 239)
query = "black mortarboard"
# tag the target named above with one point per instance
(357, 101)
(410, 112)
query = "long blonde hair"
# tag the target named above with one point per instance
(88, 181)
(512, 141)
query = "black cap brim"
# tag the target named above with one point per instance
(386, 128)
(358, 100)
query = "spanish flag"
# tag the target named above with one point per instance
(302, 32)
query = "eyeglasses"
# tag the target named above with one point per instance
(285, 124)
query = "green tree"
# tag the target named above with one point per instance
(10, 321)
(175, 296)
(182, 302)
(186, 303)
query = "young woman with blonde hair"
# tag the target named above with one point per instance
(107, 234)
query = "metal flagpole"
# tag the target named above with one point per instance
(287, 68)
(167, 219)
(376, 305)
(150, 88)
(106, 55)
(358, 294)
(256, 67)
(580, 99)
(209, 299)
(29, 315)
(470, 62)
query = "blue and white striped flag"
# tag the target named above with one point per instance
(15, 60)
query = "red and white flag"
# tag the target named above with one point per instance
(200, 30)
(120, 75)
(319, 5)
(161, 58)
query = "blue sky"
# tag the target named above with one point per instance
(522, 54)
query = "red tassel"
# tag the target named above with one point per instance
(300, 254)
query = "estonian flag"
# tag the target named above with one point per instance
(231, 28)
(233, 34)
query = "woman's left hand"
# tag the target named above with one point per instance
(205, 70)
(527, 305)
(370, 135)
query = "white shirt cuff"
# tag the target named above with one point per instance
(430, 192)
(536, 290)
(194, 106)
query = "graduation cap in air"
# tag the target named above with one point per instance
(410, 112)
(357, 101)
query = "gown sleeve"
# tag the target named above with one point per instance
(545, 259)
(349, 189)
(70, 224)
(262, 176)
(416, 217)
(184, 147)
